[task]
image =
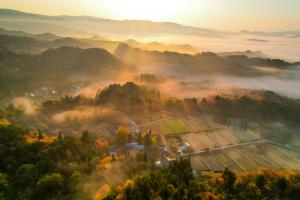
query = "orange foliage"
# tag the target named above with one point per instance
(4, 122)
(210, 196)
(30, 138)
(102, 192)
(102, 144)
(121, 189)
(123, 132)
(105, 163)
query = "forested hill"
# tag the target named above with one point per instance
(206, 62)
(55, 68)
(178, 182)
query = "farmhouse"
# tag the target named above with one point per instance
(135, 146)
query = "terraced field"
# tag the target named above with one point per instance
(217, 138)
(177, 125)
(168, 127)
(225, 160)
(171, 126)
(248, 157)
(195, 125)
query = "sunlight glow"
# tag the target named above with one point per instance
(144, 10)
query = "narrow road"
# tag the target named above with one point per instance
(260, 141)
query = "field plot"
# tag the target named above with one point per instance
(198, 141)
(223, 137)
(245, 161)
(178, 125)
(250, 157)
(259, 156)
(246, 136)
(294, 141)
(195, 125)
(284, 157)
(203, 140)
(212, 163)
(167, 127)
(198, 164)
(226, 161)
(175, 126)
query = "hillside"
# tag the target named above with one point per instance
(207, 62)
(55, 68)
(23, 42)
(178, 182)
(79, 24)
(37, 23)
(43, 36)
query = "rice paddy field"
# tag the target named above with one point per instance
(248, 157)
(167, 127)
(175, 126)
(206, 136)
(217, 138)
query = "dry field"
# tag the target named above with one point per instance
(248, 157)
(213, 139)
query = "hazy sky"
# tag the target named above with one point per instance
(265, 15)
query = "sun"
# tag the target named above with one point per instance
(143, 9)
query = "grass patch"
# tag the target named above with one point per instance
(178, 126)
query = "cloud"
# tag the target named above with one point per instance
(26, 104)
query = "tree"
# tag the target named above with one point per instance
(25, 176)
(148, 138)
(282, 185)
(229, 179)
(123, 135)
(40, 135)
(3, 183)
(260, 181)
(145, 157)
(60, 136)
(50, 186)
(87, 138)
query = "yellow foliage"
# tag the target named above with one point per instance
(30, 138)
(102, 192)
(153, 141)
(122, 131)
(120, 189)
(105, 163)
(210, 196)
(4, 122)
(102, 144)
(128, 183)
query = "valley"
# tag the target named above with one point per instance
(103, 109)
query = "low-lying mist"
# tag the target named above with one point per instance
(175, 84)
(25, 104)
(89, 114)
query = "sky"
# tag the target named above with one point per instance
(260, 15)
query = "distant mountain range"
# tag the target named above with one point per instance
(22, 42)
(234, 63)
(88, 26)
(80, 25)
(59, 68)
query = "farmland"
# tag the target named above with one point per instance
(217, 138)
(248, 157)
(176, 126)
(167, 127)
(214, 147)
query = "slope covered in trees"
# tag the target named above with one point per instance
(178, 182)
(37, 166)
(206, 62)
(55, 68)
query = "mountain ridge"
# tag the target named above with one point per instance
(177, 28)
